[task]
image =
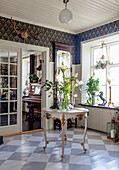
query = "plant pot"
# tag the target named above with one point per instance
(93, 100)
(35, 81)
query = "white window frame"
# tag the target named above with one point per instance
(107, 68)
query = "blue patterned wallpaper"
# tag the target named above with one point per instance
(93, 33)
(49, 36)
(46, 39)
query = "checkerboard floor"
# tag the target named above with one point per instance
(25, 152)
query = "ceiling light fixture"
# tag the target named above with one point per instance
(65, 16)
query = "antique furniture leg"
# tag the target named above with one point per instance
(44, 127)
(63, 134)
(85, 131)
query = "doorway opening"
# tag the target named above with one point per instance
(32, 72)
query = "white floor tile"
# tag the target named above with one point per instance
(37, 157)
(26, 149)
(82, 160)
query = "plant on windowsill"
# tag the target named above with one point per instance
(92, 88)
(33, 78)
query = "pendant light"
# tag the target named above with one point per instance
(65, 16)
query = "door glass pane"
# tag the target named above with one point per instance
(13, 57)
(3, 107)
(13, 94)
(3, 69)
(13, 119)
(3, 56)
(13, 107)
(3, 82)
(13, 69)
(3, 120)
(3, 94)
(13, 82)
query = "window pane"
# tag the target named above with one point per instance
(98, 54)
(115, 95)
(3, 56)
(13, 70)
(13, 107)
(3, 107)
(102, 89)
(13, 119)
(3, 120)
(114, 53)
(101, 74)
(3, 69)
(13, 57)
(114, 75)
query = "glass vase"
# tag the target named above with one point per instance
(64, 102)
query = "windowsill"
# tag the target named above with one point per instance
(96, 106)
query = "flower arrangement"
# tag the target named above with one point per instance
(64, 88)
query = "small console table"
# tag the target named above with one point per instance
(79, 113)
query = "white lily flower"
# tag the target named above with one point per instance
(75, 95)
(76, 75)
(79, 82)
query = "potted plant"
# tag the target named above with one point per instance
(93, 87)
(33, 78)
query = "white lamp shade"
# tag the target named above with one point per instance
(65, 16)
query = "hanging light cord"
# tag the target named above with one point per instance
(65, 1)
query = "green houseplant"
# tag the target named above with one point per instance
(33, 78)
(92, 88)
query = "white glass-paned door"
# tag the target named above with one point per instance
(10, 119)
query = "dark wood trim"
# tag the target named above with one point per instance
(32, 63)
(100, 107)
(63, 47)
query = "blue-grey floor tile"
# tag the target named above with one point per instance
(34, 166)
(19, 156)
(113, 153)
(31, 143)
(41, 150)
(9, 148)
(97, 147)
(79, 167)
(57, 158)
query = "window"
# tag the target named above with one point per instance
(110, 72)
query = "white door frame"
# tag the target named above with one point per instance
(45, 51)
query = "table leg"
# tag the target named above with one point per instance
(85, 131)
(44, 127)
(63, 134)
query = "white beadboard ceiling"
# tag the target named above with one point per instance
(87, 14)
